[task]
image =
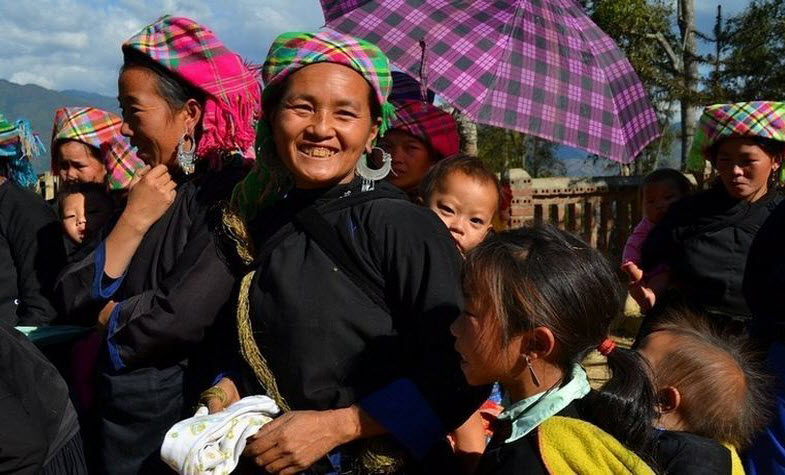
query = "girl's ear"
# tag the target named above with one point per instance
(539, 343)
(668, 399)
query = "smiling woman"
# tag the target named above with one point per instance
(147, 276)
(353, 289)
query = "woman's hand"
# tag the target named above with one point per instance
(152, 192)
(223, 394)
(296, 440)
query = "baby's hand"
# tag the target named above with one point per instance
(638, 290)
(633, 272)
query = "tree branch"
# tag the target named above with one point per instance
(668, 50)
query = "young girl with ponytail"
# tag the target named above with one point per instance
(537, 301)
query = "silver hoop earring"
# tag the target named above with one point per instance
(370, 175)
(186, 158)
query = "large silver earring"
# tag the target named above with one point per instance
(186, 158)
(370, 175)
(535, 379)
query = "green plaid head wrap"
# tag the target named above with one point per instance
(764, 119)
(289, 53)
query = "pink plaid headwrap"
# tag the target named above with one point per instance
(100, 130)
(429, 124)
(195, 54)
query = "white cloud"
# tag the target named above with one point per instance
(70, 44)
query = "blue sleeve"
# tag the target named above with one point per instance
(403, 410)
(103, 286)
(114, 353)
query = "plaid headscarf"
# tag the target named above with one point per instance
(743, 119)
(18, 144)
(295, 50)
(429, 124)
(289, 53)
(100, 130)
(193, 53)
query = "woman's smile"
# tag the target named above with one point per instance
(317, 152)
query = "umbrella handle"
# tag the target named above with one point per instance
(423, 71)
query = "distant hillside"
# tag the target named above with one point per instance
(38, 104)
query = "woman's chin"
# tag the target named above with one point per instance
(319, 178)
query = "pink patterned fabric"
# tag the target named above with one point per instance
(194, 53)
(632, 250)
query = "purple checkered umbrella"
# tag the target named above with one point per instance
(541, 67)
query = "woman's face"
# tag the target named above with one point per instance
(323, 124)
(411, 159)
(77, 163)
(745, 168)
(148, 121)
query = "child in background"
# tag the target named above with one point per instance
(465, 196)
(659, 189)
(84, 209)
(537, 301)
(710, 390)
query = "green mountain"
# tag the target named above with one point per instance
(38, 104)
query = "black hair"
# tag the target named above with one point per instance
(540, 276)
(670, 175)
(175, 90)
(466, 164)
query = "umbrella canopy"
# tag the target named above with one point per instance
(541, 67)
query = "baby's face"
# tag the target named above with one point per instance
(657, 198)
(73, 217)
(466, 205)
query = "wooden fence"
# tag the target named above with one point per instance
(602, 210)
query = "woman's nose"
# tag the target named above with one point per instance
(321, 126)
(125, 129)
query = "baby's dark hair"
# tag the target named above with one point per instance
(720, 378)
(93, 190)
(540, 276)
(675, 177)
(466, 164)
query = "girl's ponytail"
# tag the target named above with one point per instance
(625, 405)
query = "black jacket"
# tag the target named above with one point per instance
(705, 239)
(31, 256)
(330, 344)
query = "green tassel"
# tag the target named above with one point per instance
(388, 116)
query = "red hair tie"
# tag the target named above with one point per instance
(606, 347)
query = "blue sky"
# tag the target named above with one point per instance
(69, 44)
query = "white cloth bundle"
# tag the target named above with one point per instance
(212, 443)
